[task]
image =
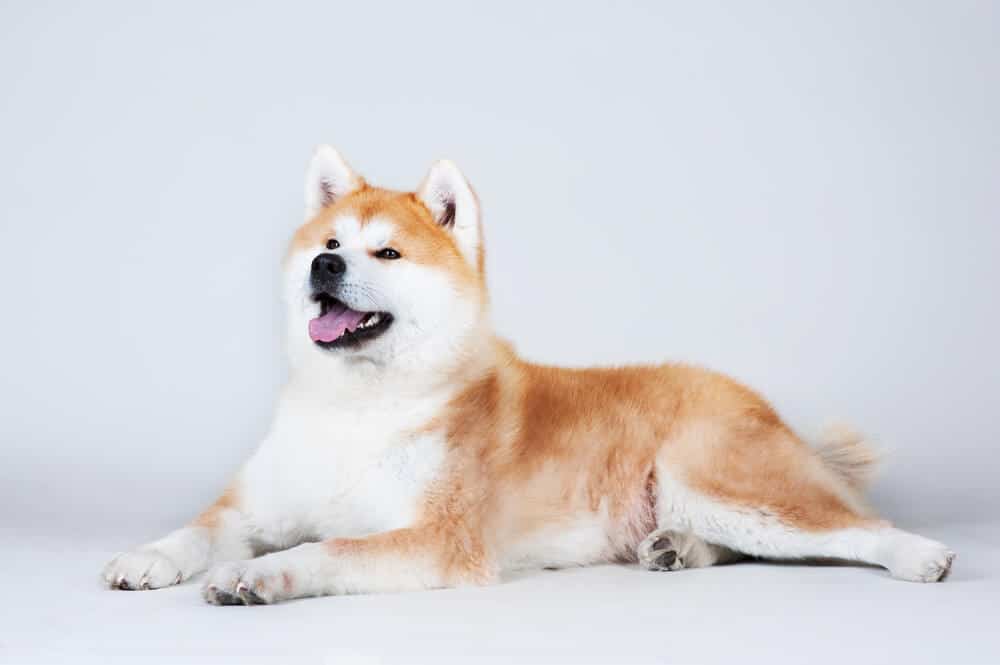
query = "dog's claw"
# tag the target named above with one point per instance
(247, 595)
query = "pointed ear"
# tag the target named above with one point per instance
(454, 205)
(328, 178)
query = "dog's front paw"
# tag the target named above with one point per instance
(141, 570)
(253, 582)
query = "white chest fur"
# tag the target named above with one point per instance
(336, 470)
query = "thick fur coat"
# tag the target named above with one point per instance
(413, 449)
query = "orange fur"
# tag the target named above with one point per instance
(535, 446)
(210, 516)
(417, 236)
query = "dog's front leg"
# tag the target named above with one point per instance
(425, 557)
(218, 534)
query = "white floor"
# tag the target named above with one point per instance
(55, 611)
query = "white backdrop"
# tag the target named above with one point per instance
(803, 195)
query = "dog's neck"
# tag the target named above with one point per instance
(411, 374)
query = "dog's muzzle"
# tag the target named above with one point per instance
(338, 325)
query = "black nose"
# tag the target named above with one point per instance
(327, 269)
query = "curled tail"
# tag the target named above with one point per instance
(847, 454)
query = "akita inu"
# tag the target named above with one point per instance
(412, 449)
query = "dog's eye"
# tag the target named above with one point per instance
(387, 253)
(332, 243)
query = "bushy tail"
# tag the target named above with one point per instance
(846, 453)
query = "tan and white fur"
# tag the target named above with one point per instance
(427, 454)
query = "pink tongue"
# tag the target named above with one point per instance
(332, 325)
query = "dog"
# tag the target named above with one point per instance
(413, 449)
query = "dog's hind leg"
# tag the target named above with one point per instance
(755, 488)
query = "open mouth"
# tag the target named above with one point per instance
(339, 326)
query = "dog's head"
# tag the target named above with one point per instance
(380, 275)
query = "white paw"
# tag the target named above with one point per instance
(141, 570)
(922, 560)
(253, 582)
(660, 551)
